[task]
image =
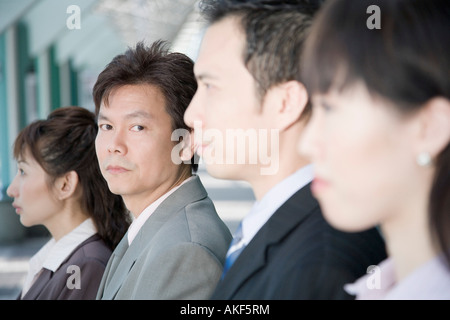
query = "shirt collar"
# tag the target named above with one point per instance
(262, 210)
(53, 253)
(137, 223)
(58, 251)
(375, 284)
(431, 280)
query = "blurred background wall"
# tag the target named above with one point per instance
(51, 52)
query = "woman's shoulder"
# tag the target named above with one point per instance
(92, 249)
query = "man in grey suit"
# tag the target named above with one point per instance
(176, 245)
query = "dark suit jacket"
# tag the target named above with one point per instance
(91, 257)
(298, 255)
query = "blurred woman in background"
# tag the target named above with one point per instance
(378, 74)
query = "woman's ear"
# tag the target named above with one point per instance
(434, 132)
(286, 102)
(66, 185)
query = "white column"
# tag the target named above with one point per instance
(12, 92)
(44, 84)
(65, 84)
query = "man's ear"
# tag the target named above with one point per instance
(66, 185)
(286, 101)
(188, 145)
(434, 127)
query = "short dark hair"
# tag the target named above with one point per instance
(65, 142)
(171, 72)
(406, 62)
(275, 32)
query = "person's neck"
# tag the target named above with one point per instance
(65, 221)
(137, 203)
(409, 241)
(284, 161)
(261, 184)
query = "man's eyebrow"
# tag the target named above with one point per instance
(102, 117)
(204, 75)
(134, 114)
(139, 114)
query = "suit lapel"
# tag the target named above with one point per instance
(124, 257)
(118, 254)
(295, 210)
(122, 265)
(190, 192)
(110, 281)
(39, 285)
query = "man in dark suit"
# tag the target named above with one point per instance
(248, 113)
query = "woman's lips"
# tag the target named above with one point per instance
(319, 185)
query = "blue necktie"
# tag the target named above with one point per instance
(236, 247)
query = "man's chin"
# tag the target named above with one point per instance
(223, 171)
(117, 190)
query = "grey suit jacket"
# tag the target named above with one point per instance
(178, 253)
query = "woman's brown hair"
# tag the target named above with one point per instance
(65, 141)
(405, 61)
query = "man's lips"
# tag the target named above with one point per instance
(18, 209)
(116, 169)
(201, 147)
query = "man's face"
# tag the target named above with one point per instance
(134, 145)
(225, 112)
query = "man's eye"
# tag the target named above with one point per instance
(105, 127)
(137, 128)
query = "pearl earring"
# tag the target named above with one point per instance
(424, 159)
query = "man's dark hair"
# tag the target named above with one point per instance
(275, 32)
(170, 72)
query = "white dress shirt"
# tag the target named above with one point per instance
(53, 253)
(262, 210)
(137, 223)
(431, 281)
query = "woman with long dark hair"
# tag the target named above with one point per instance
(378, 73)
(59, 185)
